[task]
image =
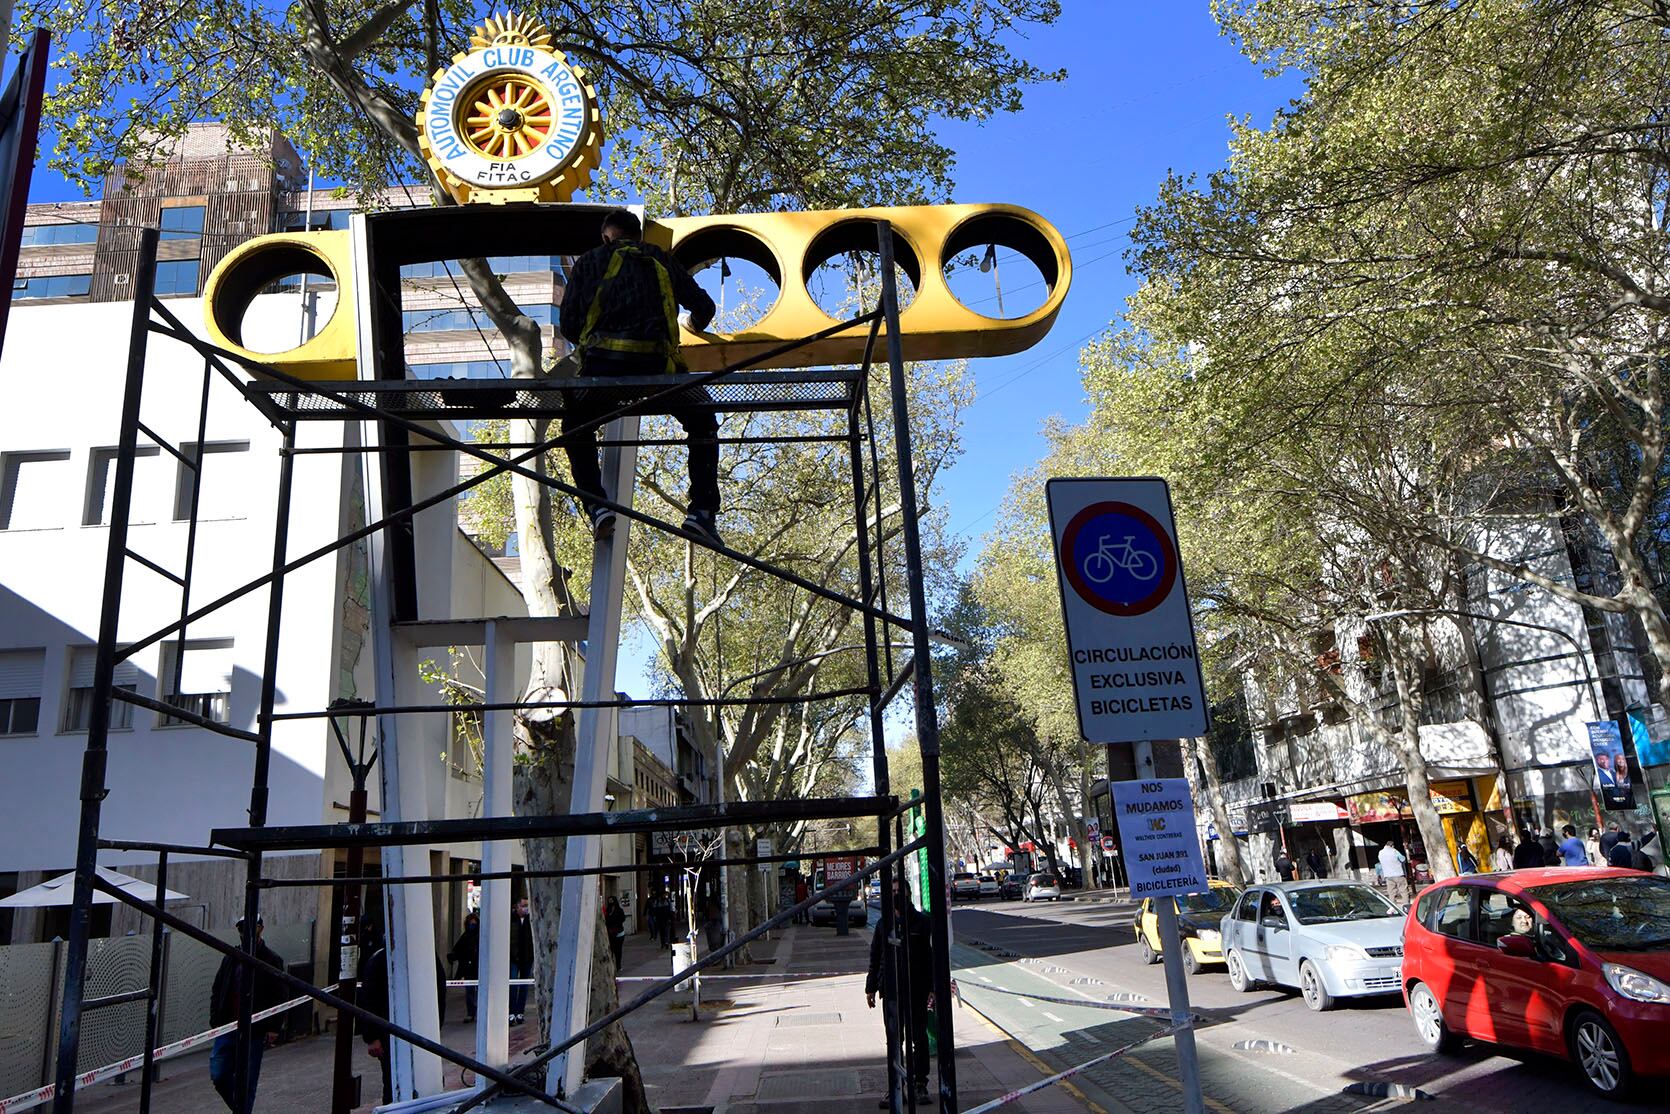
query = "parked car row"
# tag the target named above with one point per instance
(1570, 962)
(1038, 886)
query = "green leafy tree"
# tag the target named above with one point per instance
(713, 106)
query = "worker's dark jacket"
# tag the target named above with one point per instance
(373, 993)
(635, 306)
(914, 924)
(223, 996)
(521, 944)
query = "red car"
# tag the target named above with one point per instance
(1565, 961)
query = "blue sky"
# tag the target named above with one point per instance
(1148, 89)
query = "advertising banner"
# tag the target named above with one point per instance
(1315, 812)
(1157, 828)
(1606, 749)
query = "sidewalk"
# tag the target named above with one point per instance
(801, 1038)
(797, 1039)
(1114, 895)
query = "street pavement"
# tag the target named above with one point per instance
(1087, 952)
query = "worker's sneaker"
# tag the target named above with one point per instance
(602, 522)
(703, 525)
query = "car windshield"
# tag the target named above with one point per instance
(1214, 900)
(1612, 914)
(1327, 904)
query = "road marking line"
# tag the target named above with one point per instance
(1032, 1058)
(1028, 1003)
(1054, 1018)
(986, 978)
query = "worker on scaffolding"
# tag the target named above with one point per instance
(620, 311)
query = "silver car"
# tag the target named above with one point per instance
(1330, 939)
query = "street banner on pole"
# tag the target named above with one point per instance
(1157, 828)
(1130, 635)
(1606, 749)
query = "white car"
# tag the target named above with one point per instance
(989, 887)
(1042, 887)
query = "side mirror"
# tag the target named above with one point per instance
(1517, 945)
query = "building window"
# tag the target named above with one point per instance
(51, 286)
(47, 235)
(182, 222)
(101, 483)
(177, 276)
(500, 264)
(204, 672)
(222, 495)
(31, 489)
(334, 220)
(78, 702)
(462, 369)
(467, 317)
(20, 691)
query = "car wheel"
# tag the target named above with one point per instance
(1191, 962)
(1313, 988)
(1601, 1055)
(1428, 1016)
(1146, 950)
(1238, 977)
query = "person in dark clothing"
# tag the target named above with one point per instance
(1622, 853)
(466, 959)
(912, 946)
(373, 995)
(521, 959)
(619, 310)
(1550, 848)
(225, 1007)
(614, 921)
(1609, 839)
(1317, 863)
(1528, 852)
(1465, 861)
(1284, 866)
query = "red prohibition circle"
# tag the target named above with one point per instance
(1087, 591)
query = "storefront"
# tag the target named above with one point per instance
(1320, 828)
(1469, 808)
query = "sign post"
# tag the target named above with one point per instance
(1136, 677)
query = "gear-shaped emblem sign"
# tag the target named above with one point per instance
(511, 119)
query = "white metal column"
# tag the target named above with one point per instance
(409, 923)
(492, 1022)
(576, 933)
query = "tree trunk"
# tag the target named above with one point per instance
(1234, 870)
(542, 789)
(1408, 744)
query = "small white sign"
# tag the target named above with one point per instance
(763, 848)
(1157, 829)
(1130, 635)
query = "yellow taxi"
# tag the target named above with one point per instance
(1198, 916)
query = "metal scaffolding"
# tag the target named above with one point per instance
(395, 412)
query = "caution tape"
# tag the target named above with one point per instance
(474, 982)
(1003, 1100)
(40, 1095)
(751, 975)
(1090, 1003)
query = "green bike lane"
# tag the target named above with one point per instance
(1062, 1019)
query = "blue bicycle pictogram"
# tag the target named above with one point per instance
(1118, 558)
(1108, 559)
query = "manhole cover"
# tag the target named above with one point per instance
(798, 1019)
(797, 1085)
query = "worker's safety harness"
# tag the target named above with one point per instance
(667, 348)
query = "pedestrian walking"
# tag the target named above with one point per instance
(1465, 862)
(1317, 862)
(1394, 870)
(1572, 851)
(1501, 859)
(1608, 840)
(466, 960)
(1284, 866)
(1528, 852)
(619, 312)
(1550, 848)
(614, 921)
(521, 959)
(226, 1007)
(801, 893)
(1622, 853)
(904, 962)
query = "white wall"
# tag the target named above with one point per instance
(62, 379)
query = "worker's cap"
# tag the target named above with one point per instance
(260, 921)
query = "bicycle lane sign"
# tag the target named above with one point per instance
(1130, 634)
